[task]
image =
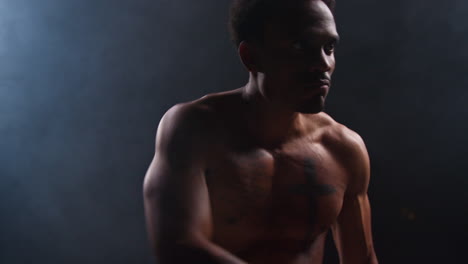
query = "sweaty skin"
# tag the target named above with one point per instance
(260, 174)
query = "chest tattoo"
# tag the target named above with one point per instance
(311, 189)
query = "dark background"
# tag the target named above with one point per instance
(84, 83)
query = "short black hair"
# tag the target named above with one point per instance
(248, 17)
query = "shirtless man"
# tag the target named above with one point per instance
(260, 174)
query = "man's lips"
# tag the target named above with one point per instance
(319, 83)
(318, 87)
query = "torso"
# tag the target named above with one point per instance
(274, 205)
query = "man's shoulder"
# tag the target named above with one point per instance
(349, 148)
(337, 135)
(199, 117)
(182, 116)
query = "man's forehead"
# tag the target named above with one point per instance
(317, 11)
(305, 12)
(304, 16)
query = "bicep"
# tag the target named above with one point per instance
(176, 202)
(175, 194)
(352, 231)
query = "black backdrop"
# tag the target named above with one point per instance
(83, 85)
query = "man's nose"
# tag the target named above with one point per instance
(319, 61)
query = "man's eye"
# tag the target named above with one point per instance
(329, 48)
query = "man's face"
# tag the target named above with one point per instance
(297, 56)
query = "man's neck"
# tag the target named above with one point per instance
(269, 123)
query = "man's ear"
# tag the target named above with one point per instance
(249, 56)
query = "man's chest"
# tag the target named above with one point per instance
(292, 193)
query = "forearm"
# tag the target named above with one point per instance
(206, 253)
(373, 259)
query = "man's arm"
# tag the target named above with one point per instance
(352, 231)
(176, 200)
